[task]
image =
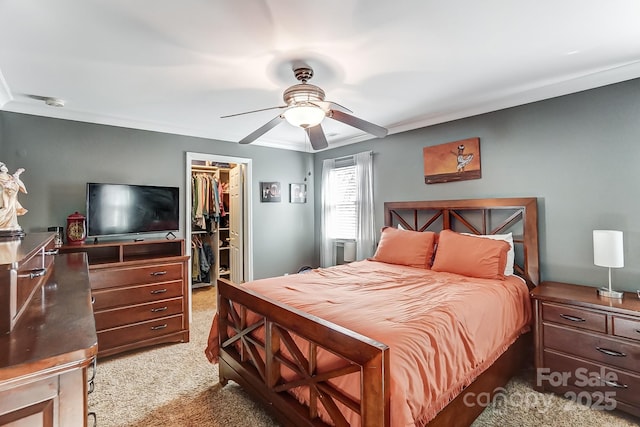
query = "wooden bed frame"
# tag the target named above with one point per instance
(256, 364)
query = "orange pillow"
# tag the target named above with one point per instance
(405, 247)
(470, 255)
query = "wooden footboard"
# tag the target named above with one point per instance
(258, 365)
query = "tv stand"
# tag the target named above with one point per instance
(140, 292)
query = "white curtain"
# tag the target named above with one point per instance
(366, 233)
(365, 229)
(327, 245)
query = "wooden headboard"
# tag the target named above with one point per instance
(478, 216)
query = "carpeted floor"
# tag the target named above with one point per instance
(175, 385)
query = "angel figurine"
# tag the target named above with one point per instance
(10, 207)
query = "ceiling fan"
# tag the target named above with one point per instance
(305, 107)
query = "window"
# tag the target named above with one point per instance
(343, 199)
(347, 206)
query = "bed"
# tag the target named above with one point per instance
(294, 343)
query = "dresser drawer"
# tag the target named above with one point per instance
(610, 351)
(626, 327)
(116, 337)
(131, 295)
(573, 316)
(112, 318)
(583, 375)
(118, 276)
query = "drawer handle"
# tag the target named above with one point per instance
(613, 383)
(93, 300)
(159, 273)
(158, 291)
(155, 328)
(572, 318)
(155, 310)
(52, 252)
(611, 352)
(36, 272)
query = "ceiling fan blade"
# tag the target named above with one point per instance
(261, 130)
(316, 137)
(329, 104)
(253, 111)
(364, 125)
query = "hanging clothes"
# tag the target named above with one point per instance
(207, 204)
(202, 261)
(195, 259)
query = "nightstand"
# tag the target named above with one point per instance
(587, 348)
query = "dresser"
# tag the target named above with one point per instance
(47, 355)
(140, 292)
(587, 348)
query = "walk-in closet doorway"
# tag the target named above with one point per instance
(218, 225)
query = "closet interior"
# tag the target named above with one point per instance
(210, 221)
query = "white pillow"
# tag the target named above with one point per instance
(511, 255)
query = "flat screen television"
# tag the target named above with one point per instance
(124, 209)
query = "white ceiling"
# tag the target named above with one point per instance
(178, 65)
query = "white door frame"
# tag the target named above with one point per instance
(248, 210)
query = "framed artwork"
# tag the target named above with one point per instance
(298, 193)
(270, 192)
(452, 161)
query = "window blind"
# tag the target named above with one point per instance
(344, 199)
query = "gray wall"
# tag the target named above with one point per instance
(61, 156)
(579, 154)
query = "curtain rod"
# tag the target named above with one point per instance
(351, 155)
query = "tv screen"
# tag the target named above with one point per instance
(120, 209)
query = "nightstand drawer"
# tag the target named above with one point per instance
(591, 346)
(627, 328)
(590, 377)
(576, 317)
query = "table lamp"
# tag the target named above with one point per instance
(608, 251)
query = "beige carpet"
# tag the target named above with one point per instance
(175, 385)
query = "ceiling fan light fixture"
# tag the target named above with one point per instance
(304, 116)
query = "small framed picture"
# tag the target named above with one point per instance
(298, 193)
(270, 192)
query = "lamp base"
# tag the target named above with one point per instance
(607, 293)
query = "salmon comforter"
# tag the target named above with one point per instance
(442, 329)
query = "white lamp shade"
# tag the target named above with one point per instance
(608, 250)
(349, 253)
(304, 115)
